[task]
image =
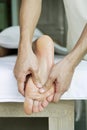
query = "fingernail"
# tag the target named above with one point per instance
(42, 90)
(39, 85)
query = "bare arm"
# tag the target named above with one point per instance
(62, 72)
(79, 50)
(29, 15)
(26, 60)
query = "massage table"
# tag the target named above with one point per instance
(60, 115)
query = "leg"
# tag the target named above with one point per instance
(44, 50)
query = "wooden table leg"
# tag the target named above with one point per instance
(53, 123)
(61, 122)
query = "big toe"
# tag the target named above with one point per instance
(28, 106)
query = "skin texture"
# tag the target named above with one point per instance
(63, 71)
(26, 62)
(44, 50)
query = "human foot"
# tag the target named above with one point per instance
(44, 50)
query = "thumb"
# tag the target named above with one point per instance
(36, 79)
(21, 87)
(47, 85)
(21, 84)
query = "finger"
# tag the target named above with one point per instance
(49, 92)
(50, 98)
(28, 106)
(36, 96)
(38, 84)
(21, 87)
(47, 86)
(35, 106)
(36, 80)
(21, 84)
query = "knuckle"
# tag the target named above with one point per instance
(63, 90)
(19, 89)
(47, 85)
(51, 78)
(17, 74)
(20, 77)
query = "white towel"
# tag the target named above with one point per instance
(9, 37)
(8, 84)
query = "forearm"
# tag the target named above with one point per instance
(29, 15)
(79, 50)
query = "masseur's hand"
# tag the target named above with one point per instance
(61, 76)
(26, 64)
(62, 73)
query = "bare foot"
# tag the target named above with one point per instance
(34, 101)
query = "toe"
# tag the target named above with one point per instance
(45, 103)
(35, 106)
(41, 108)
(28, 106)
(50, 98)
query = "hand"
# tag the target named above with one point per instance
(60, 76)
(26, 64)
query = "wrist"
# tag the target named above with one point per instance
(25, 40)
(24, 47)
(80, 49)
(74, 58)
